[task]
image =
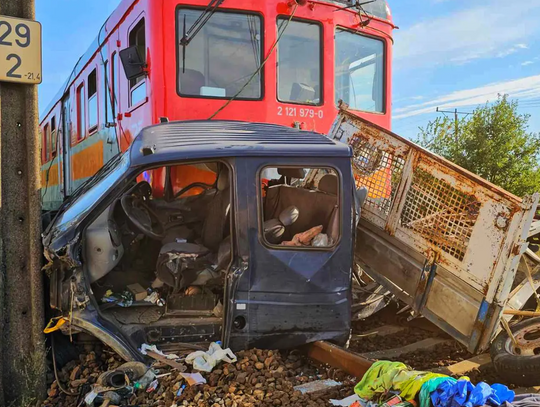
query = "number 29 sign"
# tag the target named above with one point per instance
(20, 50)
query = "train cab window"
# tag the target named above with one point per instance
(137, 86)
(360, 71)
(300, 207)
(92, 101)
(299, 62)
(81, 113)
(222, 58)
(53, 136)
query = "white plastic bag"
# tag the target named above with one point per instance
(206, 361)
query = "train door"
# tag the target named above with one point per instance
(66, 144)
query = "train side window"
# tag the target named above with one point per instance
(46, 143)
(81, 110)
(109, 115)
(92, 101)
(137, 86)
(114, 84)
(53, 136)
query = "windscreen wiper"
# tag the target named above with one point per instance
(188, 35)
(360, 6)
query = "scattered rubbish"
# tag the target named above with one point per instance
(346, 402)
(193, 379)
(153, 386)
(321, 240)
(145, 348)
(180, 390)
(206, 361)
(90, 397)
(304, 238)
(138, 291)
(153, 297)
(144, 381)
(123, 299)
(316, 386)
(218, 312)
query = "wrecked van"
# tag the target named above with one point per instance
(257, 253)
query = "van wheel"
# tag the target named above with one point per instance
(519, 363)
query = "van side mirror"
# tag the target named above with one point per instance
(132, 62)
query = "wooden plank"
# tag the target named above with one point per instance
(350, 362)
(395, 352)
(465, 366)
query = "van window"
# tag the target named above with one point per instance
(299, 62)
(137, 86)
(92, 101)
(81, 117)
(300, 207)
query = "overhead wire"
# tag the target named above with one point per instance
(258, 70)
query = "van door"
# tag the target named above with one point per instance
(289, 295)
(66, 145)
(442, 239)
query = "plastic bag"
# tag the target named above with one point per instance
(206, 361)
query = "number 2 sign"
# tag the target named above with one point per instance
(20, 50)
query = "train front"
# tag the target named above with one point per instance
(280, 62)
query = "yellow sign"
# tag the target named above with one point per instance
(20, 50)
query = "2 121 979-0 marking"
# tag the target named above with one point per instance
(302, 112)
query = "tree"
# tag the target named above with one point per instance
(494, 142)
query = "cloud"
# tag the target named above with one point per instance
(527, 63)
(512, 50)
(480, 31)
(523, 89)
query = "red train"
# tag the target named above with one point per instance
(285, 62)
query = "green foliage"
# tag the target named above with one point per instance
(494, 142)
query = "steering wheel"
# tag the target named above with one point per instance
(201, 185)
(142, 217)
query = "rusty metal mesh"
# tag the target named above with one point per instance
(379, 171)
(440, 213)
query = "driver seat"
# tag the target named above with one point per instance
(215, 227)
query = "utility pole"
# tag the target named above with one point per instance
(456, 119)
(22, 348)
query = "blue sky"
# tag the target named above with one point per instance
(448, 53)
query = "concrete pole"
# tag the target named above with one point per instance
(22, 349)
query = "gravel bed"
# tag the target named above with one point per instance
(259, 378)
(442, 355)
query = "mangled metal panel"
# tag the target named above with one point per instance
(444, 240)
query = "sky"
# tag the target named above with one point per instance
(448, 53)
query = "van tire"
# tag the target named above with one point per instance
(522, 370)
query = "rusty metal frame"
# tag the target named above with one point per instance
(470, 233)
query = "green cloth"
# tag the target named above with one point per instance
(378, 379)
(409, 383)
(431, 385)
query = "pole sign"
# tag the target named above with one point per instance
(20, 50)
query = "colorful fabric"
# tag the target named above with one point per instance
(409, 383)
(378, 379)
(524, 400)
(464, 394)
(429, 387)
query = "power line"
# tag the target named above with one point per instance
(456, 118)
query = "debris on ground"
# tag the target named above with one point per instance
(258, 378)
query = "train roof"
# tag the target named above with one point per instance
(224, 138)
